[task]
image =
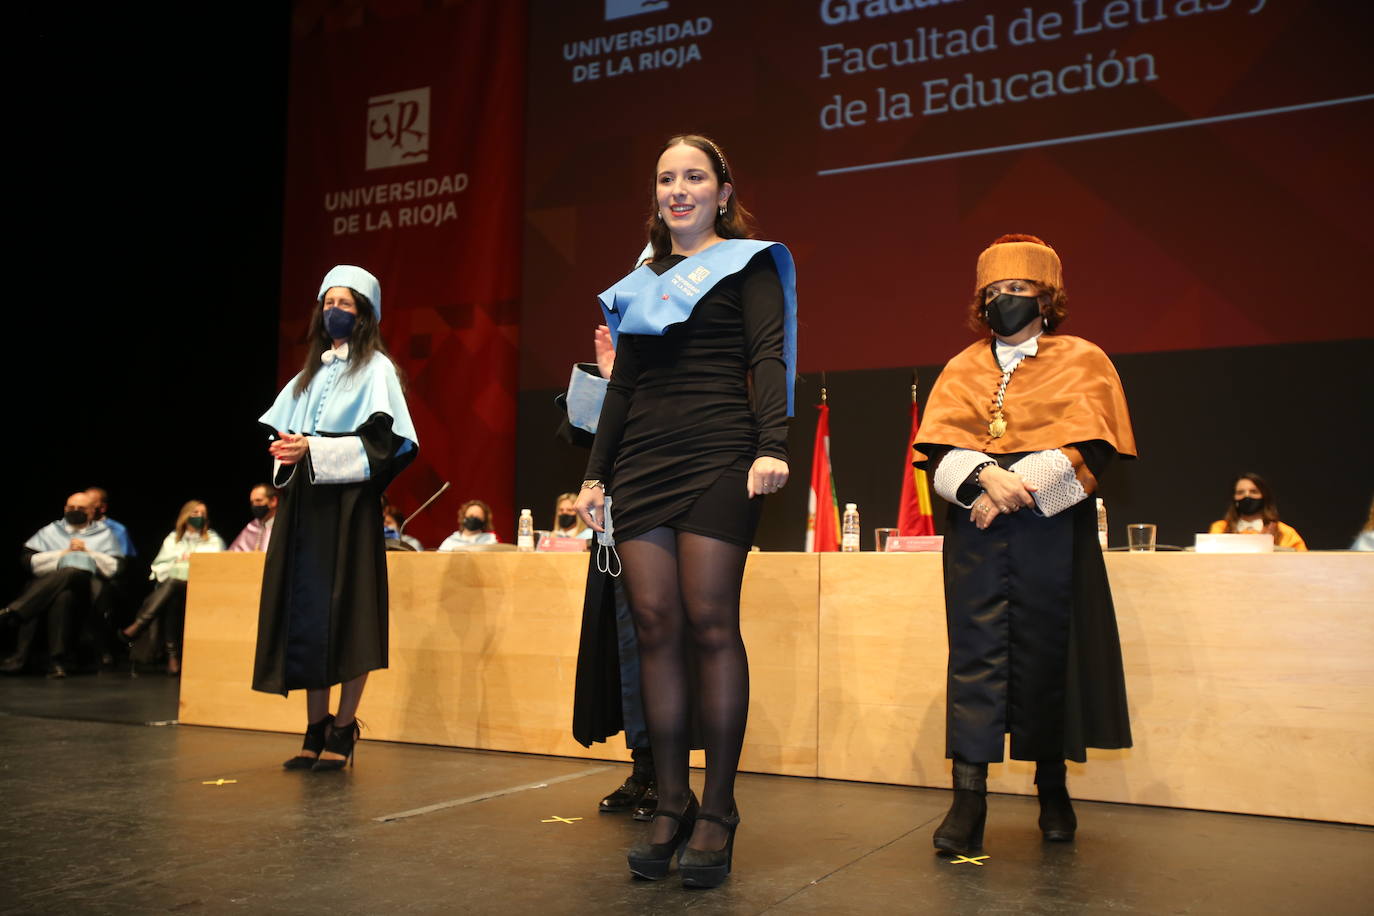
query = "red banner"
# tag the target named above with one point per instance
(823, 512)
(405, 144)
(914, 517)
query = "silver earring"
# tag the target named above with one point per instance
(721, 211)
(659, 214)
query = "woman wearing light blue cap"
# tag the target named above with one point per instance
(340, 433)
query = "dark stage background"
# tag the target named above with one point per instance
(149, 193)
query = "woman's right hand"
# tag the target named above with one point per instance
(1004, 492)
(589, 507)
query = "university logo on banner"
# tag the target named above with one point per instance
(398, 129)
(619, 9)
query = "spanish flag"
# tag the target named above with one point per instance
(914, 516)
(823, 511)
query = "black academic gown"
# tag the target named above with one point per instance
(1033, 644)
(324, 617)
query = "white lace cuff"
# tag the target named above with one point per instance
(1052, 472)
(954, 469)
(338, 459)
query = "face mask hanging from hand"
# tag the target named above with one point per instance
(1008, 314)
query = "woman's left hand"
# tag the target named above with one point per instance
(766, 475)
(289, 449)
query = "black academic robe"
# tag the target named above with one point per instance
(323, 618)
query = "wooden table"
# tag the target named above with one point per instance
(1251, 678)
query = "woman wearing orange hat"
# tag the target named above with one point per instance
(1018, 429)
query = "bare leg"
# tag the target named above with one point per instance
(350, 695)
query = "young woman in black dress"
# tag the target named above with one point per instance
(692, 433)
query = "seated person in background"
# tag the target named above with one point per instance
(70, 560)
(1365, 539)
(162, 616)
(391, 528)
(1253, 511)
(262, 502)
(100, 504)
(474, 527)
(566, 522)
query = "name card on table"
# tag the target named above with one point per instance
(916, 543)
(552, 544)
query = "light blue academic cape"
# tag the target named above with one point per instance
(643, 302)
(338, 401)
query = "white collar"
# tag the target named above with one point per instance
(1009, 355)
(1242, 525)
(328, 356)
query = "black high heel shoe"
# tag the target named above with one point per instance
(961, 832)
(650, 860)
(709, 867)
(314, 741)
(339, 741)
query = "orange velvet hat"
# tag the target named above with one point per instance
(1021, 257)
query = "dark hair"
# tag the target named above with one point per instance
(486, 512)
(735, 223)
(1054, 300)
(1270, 510)
(365, 340)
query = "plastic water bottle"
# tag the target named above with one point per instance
(524, 531)
(1101, 524)
(849, 526)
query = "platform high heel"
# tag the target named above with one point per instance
(710, 867)
(961, 832)
(339, 741)
(314, 742)
(650, 860)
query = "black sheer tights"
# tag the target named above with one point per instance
(686, 587)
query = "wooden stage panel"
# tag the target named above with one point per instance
(1250, 682)
(1250, 678)
(484, 654)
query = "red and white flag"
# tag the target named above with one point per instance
(823, 512)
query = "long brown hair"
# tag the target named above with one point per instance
(365, 340)
(486, 513)
(1270, 510)
(735, 223)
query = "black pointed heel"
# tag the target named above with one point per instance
(339, 741)
(710, 867)
(314, 741)
(650, 860)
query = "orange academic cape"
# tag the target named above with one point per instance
(1068, 392)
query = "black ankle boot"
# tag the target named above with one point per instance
(961, 832)
(314, 742)
(650, 860)
(709, 868)
(1057, 820)
(339, 741)
(632, 790)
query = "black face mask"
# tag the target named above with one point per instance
(1250, 505)
(196, 521)
(473, 523)
(566, 519)
(260, 512)
(76, 518)
(1008, 314)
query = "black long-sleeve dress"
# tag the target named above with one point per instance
(677, 432)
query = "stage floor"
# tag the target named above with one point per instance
(108, 814)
